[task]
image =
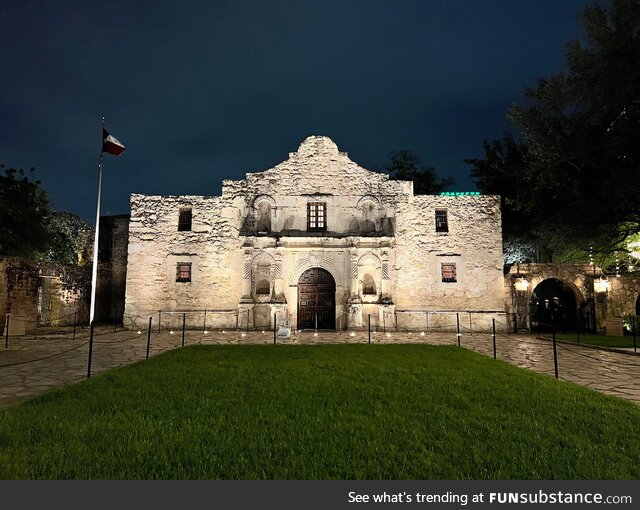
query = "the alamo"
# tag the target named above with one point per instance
(320, 242)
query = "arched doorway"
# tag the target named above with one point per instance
(316, 299)
(553, 301)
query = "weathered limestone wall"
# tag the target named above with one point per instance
(624, 292)
(156, 246)
(43, 294)
(249, 247)
(473, 243)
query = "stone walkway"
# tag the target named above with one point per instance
(32, 365)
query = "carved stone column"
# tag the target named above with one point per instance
(354, 290)
(246, 277)
(278, 287)
(386, 281)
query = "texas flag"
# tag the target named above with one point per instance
(111, 145)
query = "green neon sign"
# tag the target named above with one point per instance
(459, 193)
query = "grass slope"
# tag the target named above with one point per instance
(601, 340)
(307, 412)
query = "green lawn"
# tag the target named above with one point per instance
(307, 412)
(602, 340)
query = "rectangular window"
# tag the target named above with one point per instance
(448, 272)
(183, 272)
(316, 216)
(184, 220)
(442, 224)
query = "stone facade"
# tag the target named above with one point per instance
(246, 254)
(601, 301)
(112, 268)
(43, 294)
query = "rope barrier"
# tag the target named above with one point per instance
(45, 357)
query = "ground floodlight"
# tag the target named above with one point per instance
(139, 332)
(171, 332)
(352, 334)
(205, 332)
(422, 333)
(315, 334)
(243, 334)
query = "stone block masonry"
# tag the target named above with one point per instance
(319, 241)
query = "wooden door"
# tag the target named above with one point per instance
(316, 300)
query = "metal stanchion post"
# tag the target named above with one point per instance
(75, 323)
(494, 338)
(578, 329)
(633, 328)
(470, 329)
(90, 349)
(204, 326)
(427, 313)
(6, 331)
(159, 319)
(458, 327)
(555, 351)
(247, 321)
(384, 322)
(148, 337)
(369, 322)
(184, 319)
(274, 327)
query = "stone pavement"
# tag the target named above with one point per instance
(32, 365)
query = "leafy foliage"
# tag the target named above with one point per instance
(575, 176)
(31, 229)
(23, 208)
(406, 166)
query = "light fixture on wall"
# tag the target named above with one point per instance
(601, 285)
(521, 284)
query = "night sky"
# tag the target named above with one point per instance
(202, 91)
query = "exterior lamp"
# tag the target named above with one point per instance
(601, 285)
(522, 284)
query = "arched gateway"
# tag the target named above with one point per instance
(316, 299)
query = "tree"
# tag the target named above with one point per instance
(69, 239)
(31, 229)
(23, 208)
(406, 166)
(574, 178)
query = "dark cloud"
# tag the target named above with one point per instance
(201, 91)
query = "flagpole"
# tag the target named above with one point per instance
(94, 275)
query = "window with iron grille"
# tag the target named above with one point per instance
(183, 272)
(184, 219)
(316, 216)
(442, 224)
(448, 272)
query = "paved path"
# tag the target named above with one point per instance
(31, 365)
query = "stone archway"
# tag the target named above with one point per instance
(553, 301)
(316, 299)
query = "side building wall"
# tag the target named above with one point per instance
(156, 246)
(473, 243)
(37, 294)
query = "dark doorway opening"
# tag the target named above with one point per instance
(316, 300)
(553, 301)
